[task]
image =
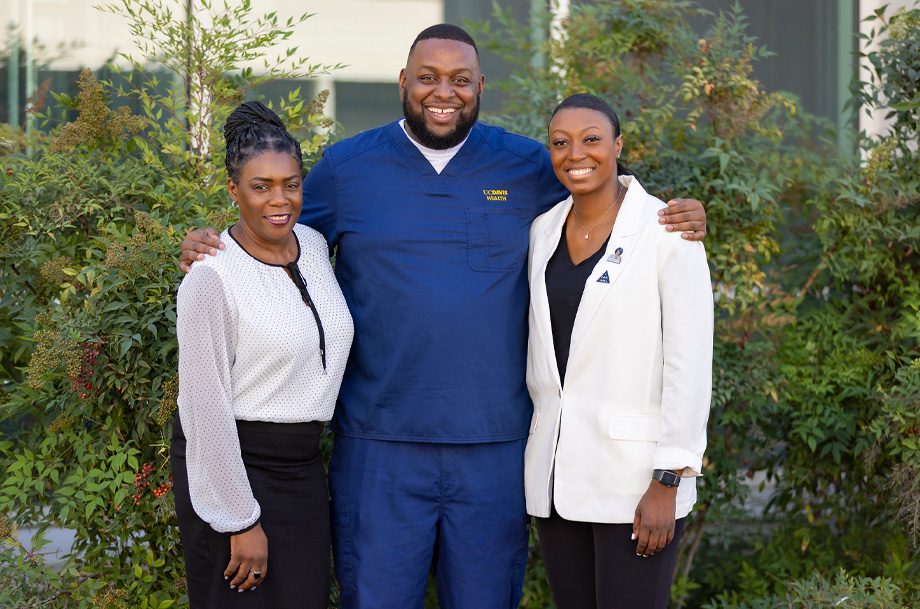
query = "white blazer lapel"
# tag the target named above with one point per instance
(544, 247)
(619, 251)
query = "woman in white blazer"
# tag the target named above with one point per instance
(619, 368)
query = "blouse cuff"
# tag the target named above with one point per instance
(249, 528)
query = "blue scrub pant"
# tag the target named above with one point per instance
(400, 508)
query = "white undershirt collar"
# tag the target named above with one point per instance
(438, 158)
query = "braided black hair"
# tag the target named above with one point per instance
(593, 102)
(252, 129)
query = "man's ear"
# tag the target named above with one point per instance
(402, 83)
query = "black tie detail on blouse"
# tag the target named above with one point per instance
(305, 294)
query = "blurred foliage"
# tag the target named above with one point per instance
(817, 592)
(91, 216)
(813, 253)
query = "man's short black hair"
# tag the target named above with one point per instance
(445, 31)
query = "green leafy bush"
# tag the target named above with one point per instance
(90, 225)
(814, 260)
(816, 592)
(815, 270)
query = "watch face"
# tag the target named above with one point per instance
(667, 478)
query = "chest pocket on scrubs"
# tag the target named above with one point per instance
(496, 238)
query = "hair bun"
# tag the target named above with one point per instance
(252, 129)
(247, 115)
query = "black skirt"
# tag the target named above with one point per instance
(286, 474)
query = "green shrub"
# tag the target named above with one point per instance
(815, 270)
(814, 260)
(90, 225)
(816, 592)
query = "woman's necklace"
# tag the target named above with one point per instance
(620, 191)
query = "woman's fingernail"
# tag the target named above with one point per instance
(241, 590)
(253, 588)
(226, 578)
(633, 537)
(232, 587)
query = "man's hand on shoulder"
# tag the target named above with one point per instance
(685, 215)
(196, 244)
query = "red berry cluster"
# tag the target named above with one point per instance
(142, 482)
(162, 489)
(81, 380)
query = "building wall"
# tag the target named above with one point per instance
(370, 37)
(875, 122)
(359, 33)
(493, 67)
(812, 42)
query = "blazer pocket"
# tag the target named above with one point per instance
(630, 452)
(633, 427)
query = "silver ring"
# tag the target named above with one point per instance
(256, 574)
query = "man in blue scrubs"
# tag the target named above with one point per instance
(430, 215)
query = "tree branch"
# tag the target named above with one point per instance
(27, 284)
(80, 580)
(685, 570)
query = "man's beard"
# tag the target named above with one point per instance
(415, 121)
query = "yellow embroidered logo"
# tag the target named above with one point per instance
(496, 195)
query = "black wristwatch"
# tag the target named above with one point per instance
(666, 477)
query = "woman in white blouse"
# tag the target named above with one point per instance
(264, 334)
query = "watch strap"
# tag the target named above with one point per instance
(666, 477)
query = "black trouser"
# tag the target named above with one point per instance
(285, 472)
(595, 565)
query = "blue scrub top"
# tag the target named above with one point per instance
(433, 268)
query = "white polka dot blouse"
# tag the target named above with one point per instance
(249, 349)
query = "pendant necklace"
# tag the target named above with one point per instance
(621, 191)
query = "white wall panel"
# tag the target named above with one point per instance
(875, 123)
(371, 36)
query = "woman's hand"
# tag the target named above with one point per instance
(653, 525)
(248, 564)
(685, 215)
(196, 244)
